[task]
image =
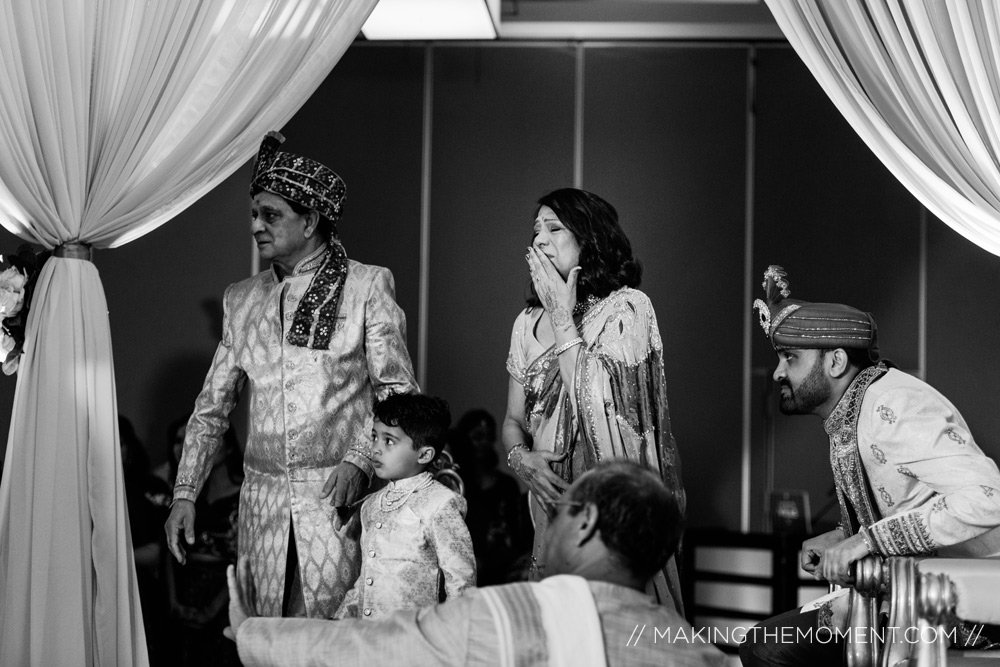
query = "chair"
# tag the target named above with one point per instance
(925, 596)
(956, 588)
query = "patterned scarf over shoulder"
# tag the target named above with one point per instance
(311, 184)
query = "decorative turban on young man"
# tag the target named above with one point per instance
(298, 179)
(790, 323)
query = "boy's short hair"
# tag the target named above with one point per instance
(425, 419)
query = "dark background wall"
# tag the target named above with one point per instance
(845, 231)
(703, 175)
(670, 154)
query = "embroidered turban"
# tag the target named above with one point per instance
(298, 179)
(790, 323)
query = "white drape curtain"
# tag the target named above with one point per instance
(115, 115)
(919, 80)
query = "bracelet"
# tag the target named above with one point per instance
(869, 542)
(565, 346)
(519, 445)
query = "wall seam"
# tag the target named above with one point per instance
(748, 287)
(578, 118)
(423, 291)
(922, 303)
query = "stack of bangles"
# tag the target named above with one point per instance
(565, 346)
(513, 449)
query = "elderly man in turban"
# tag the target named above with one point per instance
(909, 476)
(320, 338)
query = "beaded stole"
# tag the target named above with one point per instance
(323, 295)
(853, 490)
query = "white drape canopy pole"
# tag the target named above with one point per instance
(115, 115)
(919, 81)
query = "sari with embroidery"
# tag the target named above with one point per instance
(617, 409)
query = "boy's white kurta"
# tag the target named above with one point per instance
(407, 545)
(310, 409)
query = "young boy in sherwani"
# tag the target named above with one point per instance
(412, 531)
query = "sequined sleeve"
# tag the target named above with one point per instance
(921, 453)
(389, 367)
(621, 390)
(453, 546)
(516, 360)
(210, 418)
(457, 633)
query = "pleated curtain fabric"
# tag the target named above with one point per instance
(115, 115)
(919, 81)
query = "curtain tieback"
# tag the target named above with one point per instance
(75, 251)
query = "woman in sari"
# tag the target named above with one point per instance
(586, 366)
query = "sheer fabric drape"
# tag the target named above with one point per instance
(115, 115)
(919, 80)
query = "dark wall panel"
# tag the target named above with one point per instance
(502, 137)
(963, 318)
(164, 295)
(665, 142)
(844, 229)
(365, 123)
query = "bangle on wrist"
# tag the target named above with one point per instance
(510, 452)
(565, 346)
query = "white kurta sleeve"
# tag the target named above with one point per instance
(448, 634)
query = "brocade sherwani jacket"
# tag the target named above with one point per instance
(928, 483)
(907, 468)
(408, 546)
(309, 410)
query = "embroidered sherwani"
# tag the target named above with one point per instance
(310, 410)
(413, 533)
(907, 468)
(928, 483)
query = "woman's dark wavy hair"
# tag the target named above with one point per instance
(606, 261)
